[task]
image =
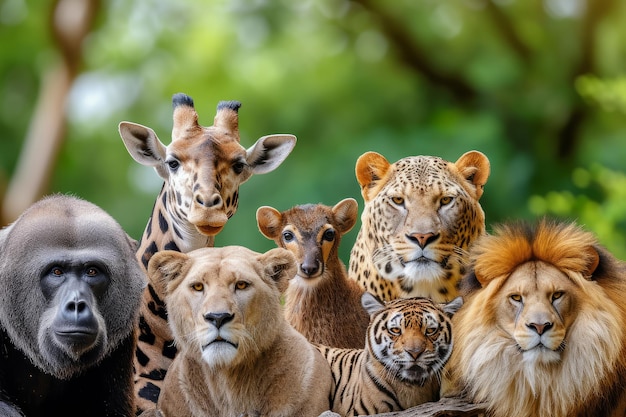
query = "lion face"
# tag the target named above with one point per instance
(536, 307)
(223, 303)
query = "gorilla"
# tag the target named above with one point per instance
(70, 287)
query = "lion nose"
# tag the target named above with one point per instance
(540, 328)
(422, 239)
(218, 319)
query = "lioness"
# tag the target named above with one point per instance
(238, 355)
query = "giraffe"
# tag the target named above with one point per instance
(202, 169)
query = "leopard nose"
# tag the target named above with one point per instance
(422, 239)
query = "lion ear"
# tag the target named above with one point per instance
(371, 168)
(165, 269)
(593, 260)
(280, 266)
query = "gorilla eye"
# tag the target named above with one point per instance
(92, 272)
(430, 331)
(288, 236)
(173, 164)
(238, 167)
(516, 297)
(397, 200)
(198, 286)
(395, 330)
(329, 235)
(556, 295)
(241, 285)
(56, 271)
(445, 200)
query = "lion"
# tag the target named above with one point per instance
(543, 329)
(238, 355)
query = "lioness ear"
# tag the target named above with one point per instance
(280, 266)
(165, 269)
(269, 221)
(474, 167)
(371, 168)
(371, 303)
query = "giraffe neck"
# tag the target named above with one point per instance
(168, 230)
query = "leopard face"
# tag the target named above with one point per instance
(420, 216)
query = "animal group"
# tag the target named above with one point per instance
(528, 320)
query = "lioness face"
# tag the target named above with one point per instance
(224, 303)
(537, 306)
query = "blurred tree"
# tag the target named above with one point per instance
(530, 83)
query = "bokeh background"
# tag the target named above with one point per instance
(539, 86)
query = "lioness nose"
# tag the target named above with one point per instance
(540, 328)
(218, 319)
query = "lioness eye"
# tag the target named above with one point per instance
(241, 285)
(556, 295)
(397, 200)
(516, 297)
(198, 286)
(445, 200)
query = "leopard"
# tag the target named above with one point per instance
(420, 217)
(408, 343)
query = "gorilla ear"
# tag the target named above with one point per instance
(165, 268)
(280, 266)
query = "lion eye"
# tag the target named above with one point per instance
(397, 200)
(241, 285)
(516, 297)
(445, 200)
(198, 286)
(394, 330)
(556, 295)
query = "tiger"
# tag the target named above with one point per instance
(408, 343)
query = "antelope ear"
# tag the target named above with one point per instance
(269, 220)
(371, 170)
(227, 117)
(345, 213)
(475, 168)
(185, 117)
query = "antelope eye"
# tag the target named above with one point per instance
(288, 236)
(397, 200)
(198, 286)
(329, 235)
(445, 200)
(241, 285)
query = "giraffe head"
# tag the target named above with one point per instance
(203, 167)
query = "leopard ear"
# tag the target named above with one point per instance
(371, 169)
(371, 303)
(475, 168)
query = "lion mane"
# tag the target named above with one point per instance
(546, 269)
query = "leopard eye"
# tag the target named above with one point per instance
(241, 285)
(556, 295)
(394, 330)
(445, 200)
(516, 297)
(397, 200)
(198, 286)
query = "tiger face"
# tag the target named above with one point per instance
(421, 213)
(410, 338)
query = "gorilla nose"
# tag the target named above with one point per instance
(78, 313)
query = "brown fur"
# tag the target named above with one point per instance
(253, 362)
(320, 302)
(552, 283)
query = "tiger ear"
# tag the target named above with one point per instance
(371, 303)
(453, 306)
(371, 169)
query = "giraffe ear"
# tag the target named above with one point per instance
(269, 152)
(144, 146)
(185, 116)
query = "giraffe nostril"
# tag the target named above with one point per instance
(214, 200)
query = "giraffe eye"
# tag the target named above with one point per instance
(238, 167)
(173, 164)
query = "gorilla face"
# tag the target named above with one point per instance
(69, 284)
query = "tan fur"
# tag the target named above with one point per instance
(320, 302)
(273, 371)
(550, 283)
(421, 214)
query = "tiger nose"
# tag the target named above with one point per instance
(415, 351)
